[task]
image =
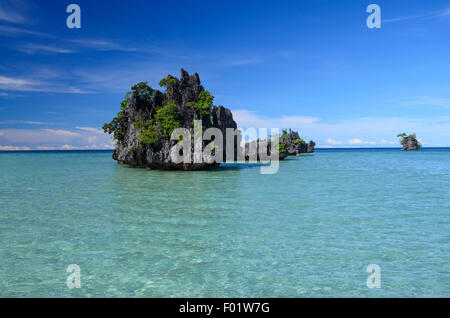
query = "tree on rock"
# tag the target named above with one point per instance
(409, 142)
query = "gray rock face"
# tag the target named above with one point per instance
(295, 144)
(293, 147)
(410, 143)
(252, 150)
(142, 108)
(311, 146)
(223, 119)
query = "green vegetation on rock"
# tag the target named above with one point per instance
(204, 104)
(153, 113)
(166, 118)
(409, 142)
(117, 125)
(143, 91)
(163, 124)
(282, 147)
(147, 131)
(169, 80)
(284, 140)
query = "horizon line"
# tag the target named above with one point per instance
(106, 149)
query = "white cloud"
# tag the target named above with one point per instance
(45, 148)
(102, 45)
(62, 132)
(440, 102)
(433, 130)
(436, 14)
(25, 122)
(357, 141)
(67, 147)
(386, 142)
(63, 147)
(20, 84)
(73, 46)
(239, 61)
(92, 139)
(90, 129)
(70, 147)
(13, 148)
(36, 48)
(10, 82)
(35, 137)
(32, 85)
(54, 139)
(11, 17)
(13, 31)
(245, 118)
(12, 11)
(333, 142)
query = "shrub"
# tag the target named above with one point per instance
(405, 137)
(204, 104)
(162, 126)
(167, 81)
(167, 118)
(117, 125)
(282, 147)
(143, 91)
(147, 132)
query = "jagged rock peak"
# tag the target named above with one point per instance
(294, 144)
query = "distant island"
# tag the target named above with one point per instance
(294, 145)
(290, 144)
(409, 142)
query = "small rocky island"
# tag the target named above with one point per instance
(290, 144)
(147, 118)
(409, 142)
(294, 144)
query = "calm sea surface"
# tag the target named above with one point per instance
(309, 230)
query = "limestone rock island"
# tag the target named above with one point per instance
(143, 127)
(294, 144)
(409, 142)
(290, 144)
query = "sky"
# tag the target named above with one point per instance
(313, 66)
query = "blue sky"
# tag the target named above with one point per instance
(308, 65)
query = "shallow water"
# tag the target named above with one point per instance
(309, 230)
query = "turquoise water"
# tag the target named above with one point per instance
(309, 230)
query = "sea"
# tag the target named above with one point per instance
(335, 223)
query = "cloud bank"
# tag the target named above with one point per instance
(83, 138)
